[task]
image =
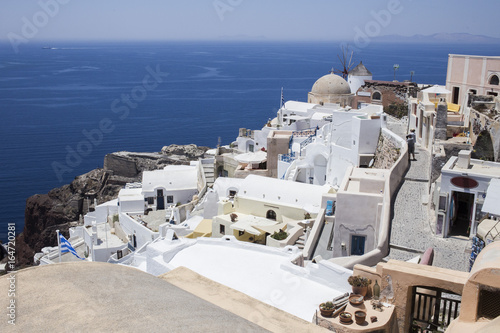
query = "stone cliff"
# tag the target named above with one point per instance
(62, 207)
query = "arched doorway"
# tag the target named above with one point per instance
(320, 164)
(271, 215)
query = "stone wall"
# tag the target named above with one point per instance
(387, 153)
(392, 93)
(481, 122)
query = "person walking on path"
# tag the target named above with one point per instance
(410, 140)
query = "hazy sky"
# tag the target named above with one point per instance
(216, 19)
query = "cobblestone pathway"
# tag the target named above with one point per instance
(412, 228)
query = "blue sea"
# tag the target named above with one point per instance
(66, 99)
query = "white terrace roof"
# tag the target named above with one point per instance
(282, 191)
(131, 194)
(254, 224)
(222, 184)
(172, 177)
(299, 106)
(257, 271)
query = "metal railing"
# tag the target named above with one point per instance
(433, 309)
(287, 158)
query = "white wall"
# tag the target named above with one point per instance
(365, 133)
(131, 227)
(355, 82)
(182, 196)
(131, 206)
(101, 212)
(356, 214)
(447, 188)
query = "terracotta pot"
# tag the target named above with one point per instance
(345, 318)
(360, 317)
(325, 313)
(360, 290)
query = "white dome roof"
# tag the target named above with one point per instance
(331, 84)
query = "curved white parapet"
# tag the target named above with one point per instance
(396, 173)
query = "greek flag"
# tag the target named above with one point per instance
(66, 247)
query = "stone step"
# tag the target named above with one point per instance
(300, 242)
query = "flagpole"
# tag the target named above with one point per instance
(59, 245)
(281, 100)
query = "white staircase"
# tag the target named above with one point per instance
(301, 242)
(209, 170)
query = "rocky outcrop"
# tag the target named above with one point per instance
(61, 207)
(190, 152)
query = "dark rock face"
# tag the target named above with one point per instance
(45, 213)
(62, 207)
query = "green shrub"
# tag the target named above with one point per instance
(279, 235)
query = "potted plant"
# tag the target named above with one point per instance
(359, 284)
(326, 309)
(279, 235)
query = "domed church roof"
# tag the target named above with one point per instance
(331, 84)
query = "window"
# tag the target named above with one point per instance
(456, 94)
(473, 91)
(494, 80)
(488, 306)
(232, 194)
(170, 199)
(271, 214)
(377, 96)
(492, 93)
(222, 229)
(241, 233)
(150, 200)
(357, 245)
(251, 148)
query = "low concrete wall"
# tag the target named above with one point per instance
(397, 173)
(399, 277)
(314, 235)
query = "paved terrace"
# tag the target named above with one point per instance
(413, 227)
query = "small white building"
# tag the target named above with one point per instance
(321, 155)
(259, 206)
(358, 217)
(461, 192)
(175, 184)
(131, 200)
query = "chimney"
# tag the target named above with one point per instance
(463, 161)
(441, 120)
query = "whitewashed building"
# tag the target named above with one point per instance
(175, 184)
(342, 137)
(460, 194)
